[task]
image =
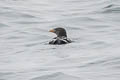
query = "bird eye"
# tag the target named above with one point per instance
(55, 31)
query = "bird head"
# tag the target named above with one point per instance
(60, 32)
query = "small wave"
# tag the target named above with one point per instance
(109, 6)
(111, 9)
(56, 76)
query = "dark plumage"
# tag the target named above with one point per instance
(61, 36)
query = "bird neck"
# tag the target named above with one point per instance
(62, 36)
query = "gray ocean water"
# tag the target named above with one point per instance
(92, 25)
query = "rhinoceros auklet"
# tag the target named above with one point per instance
(61, 36)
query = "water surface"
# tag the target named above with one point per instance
(93, 25)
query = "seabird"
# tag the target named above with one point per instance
(61, 36)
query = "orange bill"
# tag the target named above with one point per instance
(52, 30)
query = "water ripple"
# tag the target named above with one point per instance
(56, 76)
